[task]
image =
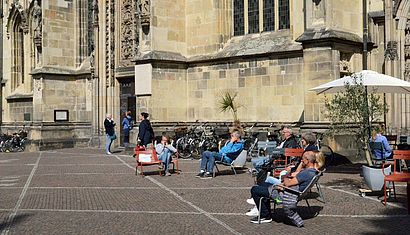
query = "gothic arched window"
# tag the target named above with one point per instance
(255, 16)
(17, 53)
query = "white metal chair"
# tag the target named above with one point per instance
(239, 162)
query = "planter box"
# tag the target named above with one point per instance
(374, 178)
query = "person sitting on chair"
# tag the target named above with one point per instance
(386, 151)
(298, 182)
(227, 154)
(165, 151)
(289, 141)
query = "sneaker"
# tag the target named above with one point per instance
(167, 173)
(278, 200)
(253, 212)
(250, 201)
(207, 175)
(200, 175)
(109, 153)
(263, 220)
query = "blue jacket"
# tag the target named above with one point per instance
(386, 147)
(232, 150)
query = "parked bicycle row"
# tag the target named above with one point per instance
(15, 142)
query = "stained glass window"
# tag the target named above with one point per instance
(238, 17)
(269, 15)
(284, 22)
(253, 16)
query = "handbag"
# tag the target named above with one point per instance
(113, 137)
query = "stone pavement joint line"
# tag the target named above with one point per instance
(357, 195)
(10, 219)
(183, 200)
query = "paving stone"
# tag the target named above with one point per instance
(84, 191)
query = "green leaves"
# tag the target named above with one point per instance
(353, 110)
(228, 103)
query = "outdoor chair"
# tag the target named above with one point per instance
(392, 139)
(397, 175)
(146, 157)
(306, 194)
(239, 162)
(290, 153)
(174, 162)
(377, 146)
(266, 147)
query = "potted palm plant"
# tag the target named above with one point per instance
(228, 103)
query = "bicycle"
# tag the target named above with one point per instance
(188, 144)
(326, 150)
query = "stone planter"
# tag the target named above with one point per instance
(374, 178)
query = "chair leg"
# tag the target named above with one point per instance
(385, 192)
(259, 210)
(310, 210)
(233, 169)
(319, 189)
(394, 191)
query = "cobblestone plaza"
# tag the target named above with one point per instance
(83, 191)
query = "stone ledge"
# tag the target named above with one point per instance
(16, 97)
(60, 71)
(250, 45)
(329, 36)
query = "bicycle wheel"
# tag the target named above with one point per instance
(328, 153)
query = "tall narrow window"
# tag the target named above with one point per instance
(253, 16)
(269, 15)
(284, 22)
(18, 54)
(238, 17)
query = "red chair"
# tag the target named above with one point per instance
(283, 163)
(146, 157)
(397, 175)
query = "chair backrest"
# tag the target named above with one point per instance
(392, 139)
(146, 155)
(314, 180)
(289, 152)
(400, 155)
(376, 146)
(240, 161)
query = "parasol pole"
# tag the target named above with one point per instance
(364, 65)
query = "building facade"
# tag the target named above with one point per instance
(67, 63)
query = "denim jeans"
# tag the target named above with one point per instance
(259, 191)
(108, 143)
(165, 158)
(208, 160)
(272, 180)
(259, 162)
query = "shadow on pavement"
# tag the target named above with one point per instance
(390, 225)
(17, 219)
(346, 168)
(304, 212)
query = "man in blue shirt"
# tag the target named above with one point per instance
(227, 154)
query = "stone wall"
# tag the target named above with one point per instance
(19, 107)
(169, 93)
(268, 90)
(320, 66)
(59, 33)
(168, 26)
(66, 94)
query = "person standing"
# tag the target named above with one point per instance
(127, 126)
(145, 133)
(109, 125)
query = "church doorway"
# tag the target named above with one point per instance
(127, 101)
